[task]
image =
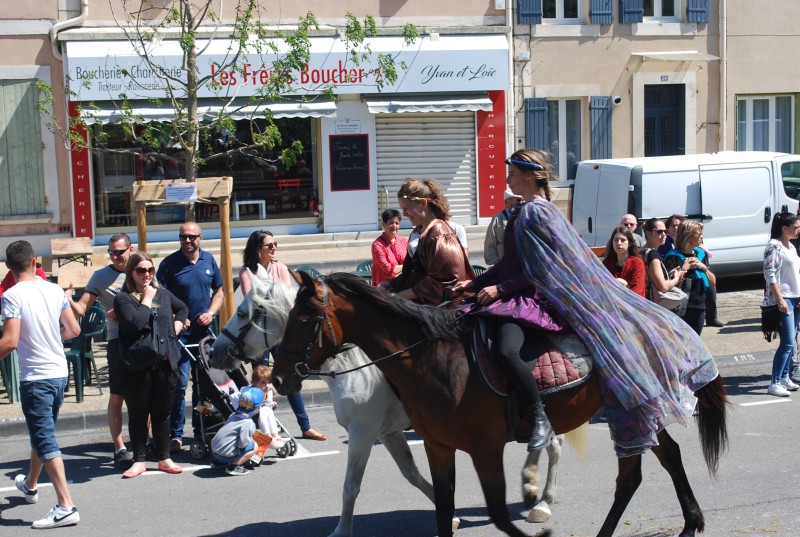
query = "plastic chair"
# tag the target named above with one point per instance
(478, 269)
(80, 355)
(311, 271)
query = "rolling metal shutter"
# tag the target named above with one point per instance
(440, 145)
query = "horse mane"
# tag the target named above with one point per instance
(435, 323)
(275, 298)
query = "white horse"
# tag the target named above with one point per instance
(363, 401)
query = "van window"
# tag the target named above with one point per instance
(790, 172)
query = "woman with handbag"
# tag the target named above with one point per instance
(624, 262)
(692, 260)
(150, 318)
(505, 295)
(655, 234)
(782, 274)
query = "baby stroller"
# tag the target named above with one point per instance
(215, 387)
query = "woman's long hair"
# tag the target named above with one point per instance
(250, 256)
(542, 176)
(779, 221)
(633, 250)
(427, 189)
(133, 260)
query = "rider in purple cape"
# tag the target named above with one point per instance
(648, 360)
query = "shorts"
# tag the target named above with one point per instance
(114, 367)
(250, 447)
(41, 400)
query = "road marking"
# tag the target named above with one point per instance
(770, 402)
(38, 486)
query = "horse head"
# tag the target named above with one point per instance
(257, 325)
(312, 335)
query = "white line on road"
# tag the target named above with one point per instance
(38, 486)
(770, 402)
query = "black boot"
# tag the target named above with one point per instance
(541, 430)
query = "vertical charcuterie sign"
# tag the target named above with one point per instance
(81, 183)
(491, 156)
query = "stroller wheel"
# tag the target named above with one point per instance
(292, 445)
(284, 451)
(198, 449)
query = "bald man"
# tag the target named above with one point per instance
(629, 221)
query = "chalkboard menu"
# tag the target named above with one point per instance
(349, 162)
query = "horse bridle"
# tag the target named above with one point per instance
(236, 350)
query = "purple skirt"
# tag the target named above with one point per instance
(527, 308)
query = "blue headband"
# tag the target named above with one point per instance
(524, 164)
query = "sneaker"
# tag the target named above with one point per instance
(123, 459)
(777, 390)
(277, 442)
(787, 383)
(175, 445)
(57, 517)
(31, 496)
(236, 470)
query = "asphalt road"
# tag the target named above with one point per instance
(755, 492)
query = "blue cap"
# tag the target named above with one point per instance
(250, 400)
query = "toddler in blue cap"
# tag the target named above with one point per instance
(233, 444)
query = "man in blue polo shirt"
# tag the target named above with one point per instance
(193, 276)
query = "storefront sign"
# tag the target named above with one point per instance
(103, 70)
(81, 189)
(491, 157)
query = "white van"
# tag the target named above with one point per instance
(734, 195)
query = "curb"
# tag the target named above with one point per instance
(76, 422)
(94, 420)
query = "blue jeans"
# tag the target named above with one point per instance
(299, 409)
(177, 416)
(41, 400)
(782, 360)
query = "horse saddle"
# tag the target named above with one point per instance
(559, 360)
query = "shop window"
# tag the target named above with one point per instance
(263, 186)
(764, 123)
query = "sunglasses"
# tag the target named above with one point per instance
(117, 252)
(630, 224)
(659, 231)
(141, 271)
(270, 245)
(188, 237)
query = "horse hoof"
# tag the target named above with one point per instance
(540, 513)
(456, 522)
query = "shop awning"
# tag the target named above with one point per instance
(464, 102)
(676, 55)
(109, 112)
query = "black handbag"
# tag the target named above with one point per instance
(770, 322)
(148, 350)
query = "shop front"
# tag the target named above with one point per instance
(443, 118)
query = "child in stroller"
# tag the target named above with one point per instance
(218, 391)
(261, 378)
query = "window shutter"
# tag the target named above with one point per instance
(529, 11)
(631, 11)
(697, 11)
(601, 12)
(600, 110)
(536, 124)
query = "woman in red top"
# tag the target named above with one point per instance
(624, 262)
(388, 250)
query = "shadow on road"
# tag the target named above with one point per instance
(747, 385)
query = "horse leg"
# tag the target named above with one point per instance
(489, 466)
(397, 446)
(669, 455)
(442, 461)
(541, 510)
(359, 448)
(629, 477)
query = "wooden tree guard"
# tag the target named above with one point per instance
(209, 190)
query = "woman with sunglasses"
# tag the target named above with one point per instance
(647, 380)
(258, 262)
(149, 393)
(655, 234)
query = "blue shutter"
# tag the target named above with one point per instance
(600, 110)
(601, 12)
(631, 11)
(697, 11)
(529, 11)
(536, 124)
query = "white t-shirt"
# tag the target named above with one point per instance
(790, 273)
(38, 305)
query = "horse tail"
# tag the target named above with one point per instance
(578, 440)
(712, 422)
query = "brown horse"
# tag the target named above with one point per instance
(423, 356)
